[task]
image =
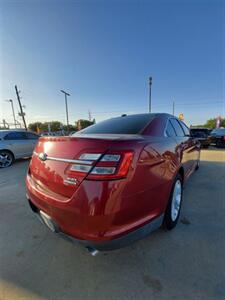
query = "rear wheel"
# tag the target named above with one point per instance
(174, 204)
(6, 158)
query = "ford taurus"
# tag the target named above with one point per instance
(114, 182)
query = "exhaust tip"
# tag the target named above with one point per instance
(92, 251)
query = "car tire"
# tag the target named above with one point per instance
(6, 158)
(174, 205)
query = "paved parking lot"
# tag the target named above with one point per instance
(186, 263)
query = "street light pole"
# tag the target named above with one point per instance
(150, 94)
(14, 118)
(67, 117)
(173, 108)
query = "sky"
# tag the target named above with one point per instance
(102, 53)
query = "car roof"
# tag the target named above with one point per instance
(144, 114)
(6, 131)
(219, 129)
(160, 115)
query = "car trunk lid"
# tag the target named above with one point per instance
(55, 159)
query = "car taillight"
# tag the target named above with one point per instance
(224, 137)
(98, 166)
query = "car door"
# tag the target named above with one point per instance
(184, 146)
(32, 139)
(17, 142)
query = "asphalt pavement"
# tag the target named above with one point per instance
(185, 263)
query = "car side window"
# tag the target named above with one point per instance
(15, 136)
(185, 128)
(31, 136)
(177, 127)
(170, 130)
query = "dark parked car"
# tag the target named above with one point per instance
(113, 182)
(217, 137)
(202, 134)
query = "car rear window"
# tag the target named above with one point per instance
(15, 136)
(195, 132)
(122, 125)
(177, 127)
(31, 136)
(199, 130)
(185, 128)
(170, 130)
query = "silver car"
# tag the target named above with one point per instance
(15, 144)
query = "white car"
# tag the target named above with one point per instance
(15, 144)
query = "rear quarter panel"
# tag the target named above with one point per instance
(156, 169)
(143, 195)
(5, 145)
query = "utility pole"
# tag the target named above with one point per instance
(89, 115)
(11, 101)
(150, 94)
(67, 117)
(21, 108)
(173, 108)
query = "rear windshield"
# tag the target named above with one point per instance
(122, 125)
(199, 132)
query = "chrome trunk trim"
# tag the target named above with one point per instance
(71, 161)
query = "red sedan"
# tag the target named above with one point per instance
(114, 182)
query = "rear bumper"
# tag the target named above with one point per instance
(218, 140)
(113, 244)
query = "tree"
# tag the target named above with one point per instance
(34, 126)
(82, 123)
(211, 123)
(54, 126)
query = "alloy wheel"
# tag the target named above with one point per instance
(176, 200)
(6, 159)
